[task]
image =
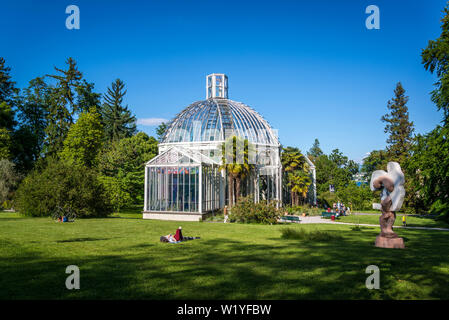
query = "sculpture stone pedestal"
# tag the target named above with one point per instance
(392, 243)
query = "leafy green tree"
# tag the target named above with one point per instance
(6, 129)
(428, 168)
(84, 140)
(376, 160)
(315, 150)
(124, 160)
(398, 126)
(435, 59)
(118, 121)
(32, 115)
(5, 144)
(8, 93)
(358, 197)
(9, 178)
(332, 170)
(86, 97)
(352, 167)
(69, 97)
(117, 191)
(7, 86)
(338, 158)
(62, 184)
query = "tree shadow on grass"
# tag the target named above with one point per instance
(221, 268)
(81, 239)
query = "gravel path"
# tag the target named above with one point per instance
(317, 219)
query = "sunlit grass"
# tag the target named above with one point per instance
(412, 221)
(122, 258)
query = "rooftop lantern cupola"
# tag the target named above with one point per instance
(217, 86)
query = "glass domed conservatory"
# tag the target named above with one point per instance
(186, 180)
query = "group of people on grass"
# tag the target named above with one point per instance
(339, 209)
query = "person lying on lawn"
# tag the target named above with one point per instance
(170, 238)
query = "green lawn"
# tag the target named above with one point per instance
(121, 258)
(422, 221)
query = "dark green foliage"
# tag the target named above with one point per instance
(8, 182)
(358, 197)
(7, 86)
(117, 119)
(86, 97)
(246, 211)
(84, 140)
(376, 160)
(332, 169)
(62, 184)
(429, 169)
(315, 151)
(398, 126)
(70, 96)
(6, 130)
(124, 160)
(8, 93)
(32, 115)
(160, 131)
(309, 235)
(435, 59)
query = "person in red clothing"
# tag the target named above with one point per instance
(178, 235)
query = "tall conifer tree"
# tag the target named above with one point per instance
(118, 120)
(398, 126)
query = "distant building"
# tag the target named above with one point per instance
(359, 178)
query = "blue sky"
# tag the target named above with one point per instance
(311, 68)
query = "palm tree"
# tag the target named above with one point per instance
(299, 182)
(296, 171)
(236, 170)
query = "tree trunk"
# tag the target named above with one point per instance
(230, 190)
(292, 196)
(237, 189)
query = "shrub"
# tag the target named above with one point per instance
(247, 211)
(314, 235)
(116, 192)
(441, 209)
(61, 184)
(8, 181)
